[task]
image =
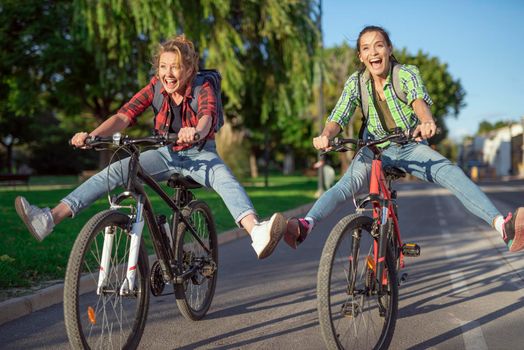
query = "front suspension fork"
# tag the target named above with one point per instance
(128, 285)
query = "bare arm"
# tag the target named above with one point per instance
(331, 130)
(113, 124)
(427, 127)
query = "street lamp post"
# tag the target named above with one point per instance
(320, 183)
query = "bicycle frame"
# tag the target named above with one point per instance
(383, 210)
(144, 211)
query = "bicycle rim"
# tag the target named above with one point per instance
(105, 320)
(360, 319)
(195, 294)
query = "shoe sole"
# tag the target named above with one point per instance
(518, 240)
(275, 235)
(21, 213)
(291, 234)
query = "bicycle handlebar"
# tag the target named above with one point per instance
(398, 136)
(123, 140)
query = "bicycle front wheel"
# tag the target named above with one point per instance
(105, 318)
(352, 313)
(194, 294)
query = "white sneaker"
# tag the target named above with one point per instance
(267, 234)
(38, 221)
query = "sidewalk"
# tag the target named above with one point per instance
(21, 306)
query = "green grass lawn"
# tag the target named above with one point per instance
(25, 262)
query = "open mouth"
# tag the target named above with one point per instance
(170, 83)
(376, 63)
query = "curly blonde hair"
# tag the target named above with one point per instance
(183, 48)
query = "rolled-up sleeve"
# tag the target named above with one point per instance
(413, 84)
(138, 103)
(347, 102)
(207, 103)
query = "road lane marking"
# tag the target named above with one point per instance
(471, 330)
(472, 335)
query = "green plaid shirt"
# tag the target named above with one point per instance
(402, 113)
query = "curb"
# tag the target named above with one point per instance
(15, 308)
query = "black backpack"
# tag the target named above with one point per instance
(210, 75)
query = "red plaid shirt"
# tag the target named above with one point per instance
(144, 98)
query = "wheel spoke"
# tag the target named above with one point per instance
(350, 316)
(115, 321)
(195, 294)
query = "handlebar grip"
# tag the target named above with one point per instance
(172, 137)
(87, 141)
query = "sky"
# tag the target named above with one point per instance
(482, 41)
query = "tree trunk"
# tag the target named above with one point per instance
(253, 168)
(9, 162)
(289, 162)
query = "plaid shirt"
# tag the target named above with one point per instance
(402, 113)
(144, 98)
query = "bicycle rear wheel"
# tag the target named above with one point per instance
(195, 294)
(354, 317)
(105, 320)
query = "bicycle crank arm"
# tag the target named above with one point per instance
(185, 275)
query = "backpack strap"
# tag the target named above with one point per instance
(158, 97)
(363, 77)
(397, 86)
(158, 100)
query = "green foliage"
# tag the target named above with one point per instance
(445, 91)
(485, 126)
(83, 59)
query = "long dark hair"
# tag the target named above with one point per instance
(368, 29)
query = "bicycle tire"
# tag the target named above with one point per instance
(333, 298)
(194, 295)
(105, 320)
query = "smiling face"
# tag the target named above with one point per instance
(375, 53)
(172, 73)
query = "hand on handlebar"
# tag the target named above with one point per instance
(187, 136)
(321, 143)
(78, 140)
(425, 130)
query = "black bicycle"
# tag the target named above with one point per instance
(108, 279)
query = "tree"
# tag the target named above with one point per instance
(445, 91)
(28, 30)
(485, 126)
(86, 58)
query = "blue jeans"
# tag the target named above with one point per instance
(414, 158)
(205, 167)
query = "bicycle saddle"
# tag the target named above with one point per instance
(178, 180)
(393, 173)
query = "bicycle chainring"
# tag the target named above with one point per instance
(157, 280)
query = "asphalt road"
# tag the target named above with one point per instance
(464, 292)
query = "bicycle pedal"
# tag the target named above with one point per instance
(402, 278)
(411, 249)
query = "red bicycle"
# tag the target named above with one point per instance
(358, 277)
